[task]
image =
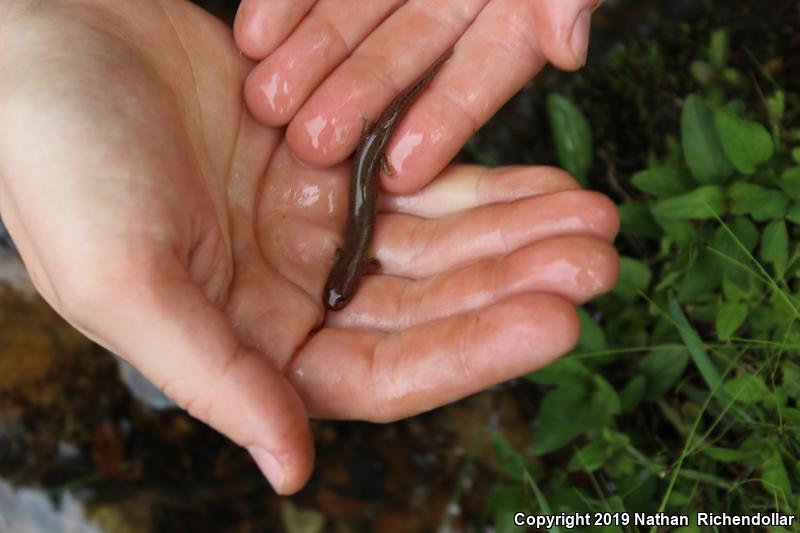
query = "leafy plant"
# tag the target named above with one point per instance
(683, 393)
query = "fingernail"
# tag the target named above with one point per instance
(269, 466)
(579, 40)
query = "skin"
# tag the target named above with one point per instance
(349, 263)
(161, 219)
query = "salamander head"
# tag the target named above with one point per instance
(342, 282)
(335, 298)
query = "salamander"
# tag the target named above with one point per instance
(349, 261)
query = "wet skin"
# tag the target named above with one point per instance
(349, 262)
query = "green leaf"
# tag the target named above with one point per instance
(590, 457)
(790, 182)
(511, 462)
(776, 105)
(775, 245)
(745, 197)
(662, 181)
(701, 203)
(701, 278)
(564, 415)
(746, 232)
(775, 399)
(775, 479)
(560, 371)
(662, 369)
(680, 231)
(726, 455)
(632, 393)
(572, 135)
(702, 72)
(729, 317)
(796, 155)
(692, 341)
(791, 379)
(634, 276)
(793, 214)
(605, 397)
(718, 48)
(504, 501)
(746, 143)
(636, 219)
(701, 144)
(774, 205)
(593, 339)
(746, 389)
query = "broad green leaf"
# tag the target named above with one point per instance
(634, 276)
(662, 369)
(773, 207)
(796, 155)
(775, 245)
(745, 231)
(590, 457)
(791, 379)
(564, 415)
(572, 135)
(662, 181)
(504, 501)
(632, 393)
(793, 214)
(746, 143)
(718, 48)
(636, 219)
(701, 203)
(701, 278)
(729, 318)
(790, 182)
(692, 341)
(776, 104)
(726, 455)
(592, 337)
(775, 479)
(614, 437)
(775, 399)
(736, 288)
(680, 231)
(300, 520)
(745, 197)
(733, 260)
(746, 389)
(511, 462)
(605, 396)
(792, 416)
(560, 371)
(701, 144)
(702, 72)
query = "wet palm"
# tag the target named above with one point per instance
(163, 221)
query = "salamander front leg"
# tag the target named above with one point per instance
(370, 266)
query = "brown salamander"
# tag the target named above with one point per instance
(349, 262)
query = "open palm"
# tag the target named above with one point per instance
(163, 221)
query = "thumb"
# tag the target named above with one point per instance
(186, 346)
(562, 28)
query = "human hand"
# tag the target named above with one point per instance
(326, 65)
(162, 221)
